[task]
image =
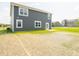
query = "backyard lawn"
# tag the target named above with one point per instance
(58, 41)
(67, 29)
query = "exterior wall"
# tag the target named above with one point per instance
(28, 21)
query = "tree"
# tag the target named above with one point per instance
(57, 24)
(52, 24)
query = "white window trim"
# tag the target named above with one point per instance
(35, 24)
(46, 26)
(23, 11)
(17, 23)
(19, 12)
(27, 12)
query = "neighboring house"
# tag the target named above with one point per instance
(70, 23)
(28, 18)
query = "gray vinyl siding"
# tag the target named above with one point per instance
(28, 21)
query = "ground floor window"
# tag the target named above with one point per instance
(37, 24)
(19, 23)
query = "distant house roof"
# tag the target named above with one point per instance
(20, 5)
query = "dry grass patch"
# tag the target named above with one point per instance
(53, 43)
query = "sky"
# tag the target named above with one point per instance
(59, 10)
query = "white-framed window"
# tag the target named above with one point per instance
(19, 23)
(37, 24)
(23, 11)
(20, 11)
(49, 16)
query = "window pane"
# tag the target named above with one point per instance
(38, 24)
(25, 11)
(19, 24)
(21, 11)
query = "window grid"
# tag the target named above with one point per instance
(23, 12)
(19, 23)
(37, 24)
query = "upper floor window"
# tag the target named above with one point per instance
(23, 11)
(49, 16)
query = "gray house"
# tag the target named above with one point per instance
(28, 18)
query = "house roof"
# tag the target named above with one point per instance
(20, 5)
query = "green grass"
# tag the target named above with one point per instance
(34, 32)
(3, 30)
(55, 29)
(67, 29)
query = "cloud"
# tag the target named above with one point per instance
(76, 8)
(4, 12)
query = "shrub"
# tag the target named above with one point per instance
(9, 30)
